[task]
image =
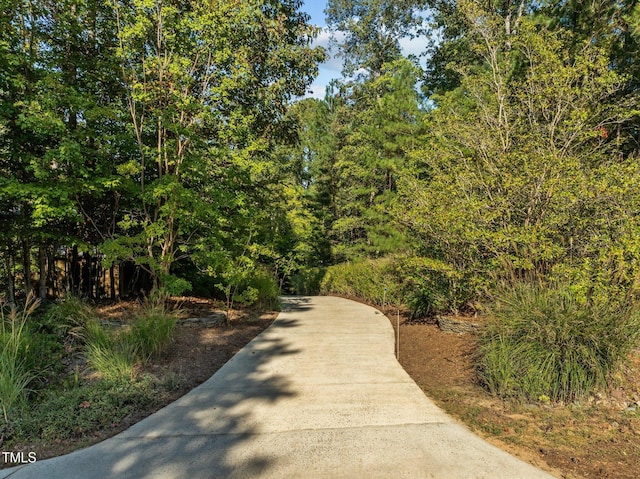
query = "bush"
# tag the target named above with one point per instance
(251, 286)
(431, 286)
(544, 342)
(267, 290)
(307, 280)
(371, 280)
(426, 286)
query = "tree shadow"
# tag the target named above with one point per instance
(296, 303)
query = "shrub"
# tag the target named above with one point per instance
(267, 290)
(431, 286)
(307, 280)
(371, 280)
(544, 342)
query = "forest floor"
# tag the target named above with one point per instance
(598, 439)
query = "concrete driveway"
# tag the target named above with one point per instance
(319, 394)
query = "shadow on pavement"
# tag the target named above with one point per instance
(296, 303)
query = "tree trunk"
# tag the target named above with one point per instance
(42, 280)
(74, 273)
(112, 281)
(26, 264)
(51, 273)
(11, 285)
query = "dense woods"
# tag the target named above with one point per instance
(511, 156)
(166, 147)
(143, 133)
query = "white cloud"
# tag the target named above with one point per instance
(414, 46)
(333, 64)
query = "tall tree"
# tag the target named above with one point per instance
(208, 84)
(497, 195)
(372, 30)
(354, 146)
(60, 110)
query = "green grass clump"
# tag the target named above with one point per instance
(67, 316)
(109, 352)
(15, 374)
(545, 343)
(152, 329)
(114, 352)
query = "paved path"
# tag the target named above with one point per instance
(319, 394)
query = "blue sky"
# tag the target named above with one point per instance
(333, 66)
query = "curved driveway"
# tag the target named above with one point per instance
(319, 394)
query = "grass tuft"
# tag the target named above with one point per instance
(109, 352)
(114, 352)
(15, 375)
(545, 343)
(152, 329)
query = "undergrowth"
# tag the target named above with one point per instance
(15, 374)
(371, 280)
(83, 409)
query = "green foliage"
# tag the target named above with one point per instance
(266, 290)
(372, 29)
(114, 352)
(205, 124)
(488, 195)
(307, 280)
(374, 281)
(424, 285)
(369, 126)
(15, 374)
(544, 341)
(151, 329)
(111, 353)
(67, 316)
(430, 286)
(84, 409)
(176, 286)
